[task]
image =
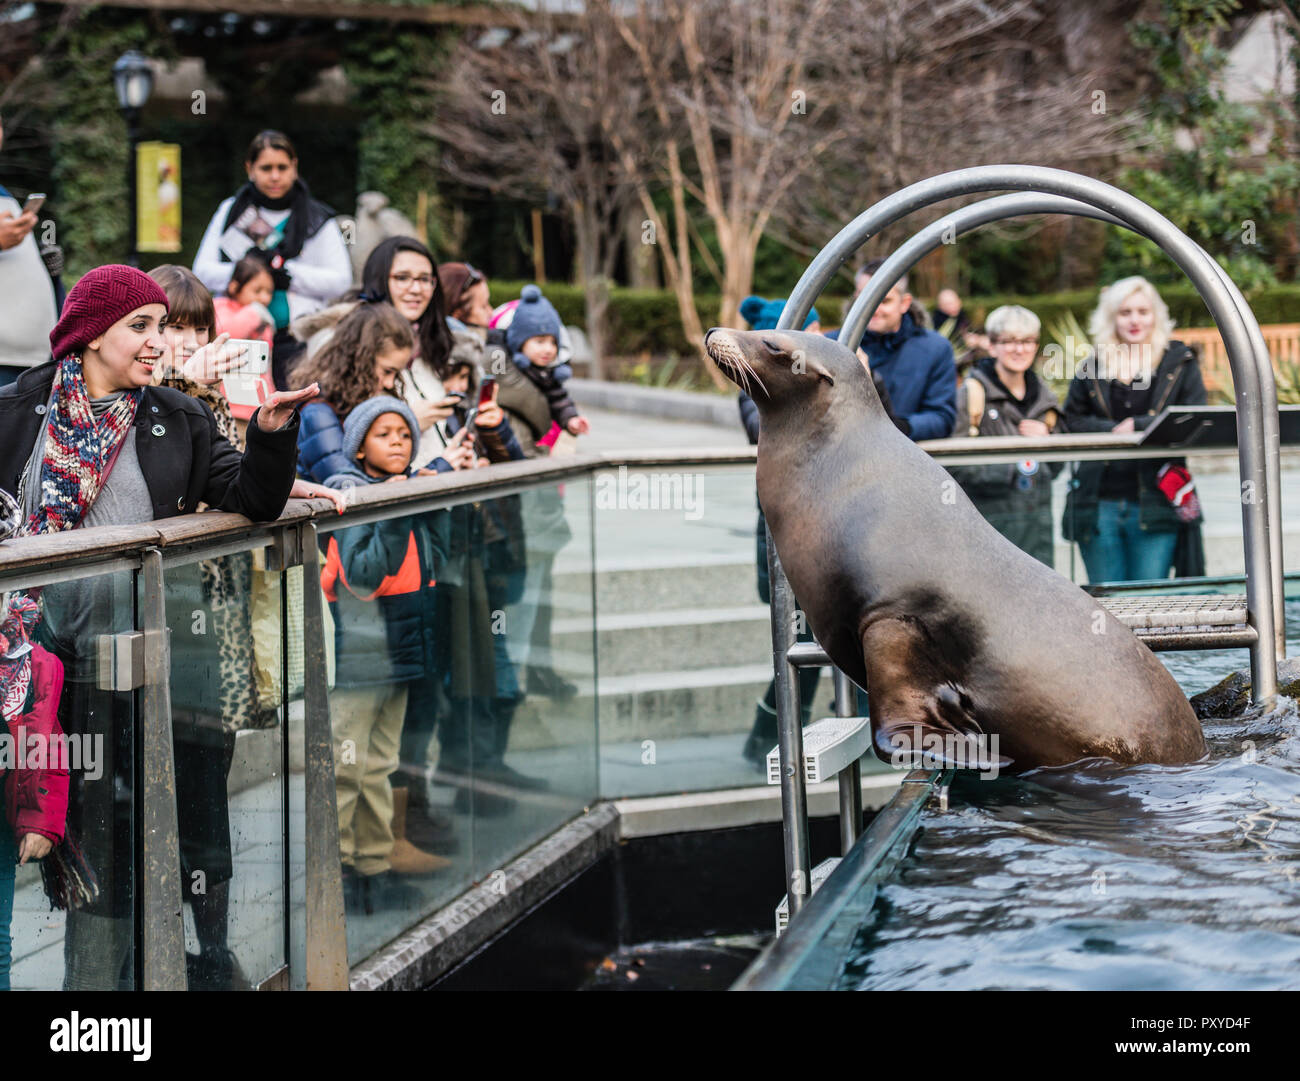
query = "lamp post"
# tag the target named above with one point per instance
(133, 82)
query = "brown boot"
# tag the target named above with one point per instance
(406, 859)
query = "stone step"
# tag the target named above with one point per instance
(655, 705)
(665, 583)
(679, 638)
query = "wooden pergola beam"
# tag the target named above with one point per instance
(434, 14)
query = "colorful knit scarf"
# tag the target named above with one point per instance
(78, 456)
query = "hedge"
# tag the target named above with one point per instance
(646, 320)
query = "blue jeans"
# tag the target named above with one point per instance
(8, 861)
(1121, 551)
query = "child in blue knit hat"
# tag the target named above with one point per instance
(377, 578)
(534, 338)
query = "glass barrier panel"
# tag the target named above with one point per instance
(525, 760)
(390, 615)
(88, 942)
(1109, 522)
(227, 699)
(684, 633)
(290, 607)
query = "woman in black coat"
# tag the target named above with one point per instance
(87, 440)
(1127, 528)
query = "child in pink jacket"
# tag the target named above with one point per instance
(244, 313)
(33, 771)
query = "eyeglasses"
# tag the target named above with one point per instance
(1017, 343)
(405, 281)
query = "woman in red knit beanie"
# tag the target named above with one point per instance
(87, 440)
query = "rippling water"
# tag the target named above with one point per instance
(1107, 877)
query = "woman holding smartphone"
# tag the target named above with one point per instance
(141, 452)
(25, 285)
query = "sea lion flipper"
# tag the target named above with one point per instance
(915, 711)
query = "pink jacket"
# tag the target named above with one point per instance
(36, 799)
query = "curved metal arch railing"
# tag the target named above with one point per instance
(1253, 382)
(1248, 379)
(1002, 207)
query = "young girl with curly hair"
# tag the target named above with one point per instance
(367, 355)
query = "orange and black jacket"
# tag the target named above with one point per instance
(376, 579)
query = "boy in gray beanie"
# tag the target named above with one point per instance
(376, 578)
(534, 338)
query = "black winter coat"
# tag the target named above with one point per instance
(1016, 500)
(1177, 381)
(184, 459)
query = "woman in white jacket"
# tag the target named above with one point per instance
(274, 216)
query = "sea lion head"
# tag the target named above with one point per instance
(780, 367)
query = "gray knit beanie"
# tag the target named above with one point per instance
(364, 415)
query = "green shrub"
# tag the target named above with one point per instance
(646, 320)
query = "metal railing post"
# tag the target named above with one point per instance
(794, 796)
(162, 924)
(850, 778)
(327, 940)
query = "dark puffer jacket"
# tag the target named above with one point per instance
(375, 579)
(1016, 499)
(1177, 381)
(917, 366)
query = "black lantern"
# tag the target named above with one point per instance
(133, 82)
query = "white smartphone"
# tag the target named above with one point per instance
(241, 388)
(257, 356)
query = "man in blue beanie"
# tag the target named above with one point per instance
(914, 363)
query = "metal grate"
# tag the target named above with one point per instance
(1190, 612)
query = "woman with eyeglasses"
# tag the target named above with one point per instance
(1003, 396)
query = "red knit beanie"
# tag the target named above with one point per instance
(105, 295)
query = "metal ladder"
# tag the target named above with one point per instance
(1255, 621)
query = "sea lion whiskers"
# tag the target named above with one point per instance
(726, 354)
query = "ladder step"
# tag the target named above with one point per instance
(820, 874)
(1185, 613)
(829, 745)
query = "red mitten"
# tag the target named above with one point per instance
(1179, 488)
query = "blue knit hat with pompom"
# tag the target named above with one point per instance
(534, 316)
(763, 314)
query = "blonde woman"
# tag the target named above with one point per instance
(1127, 527)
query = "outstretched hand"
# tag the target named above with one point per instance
(308, 489)
(279, 408)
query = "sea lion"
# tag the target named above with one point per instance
(956, 634)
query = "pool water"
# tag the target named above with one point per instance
(1102, 877)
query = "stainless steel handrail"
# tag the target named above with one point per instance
(1044, 190)
(824, 915)
(1249, 380)
(1019, 204)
